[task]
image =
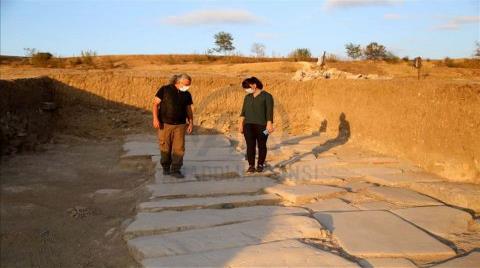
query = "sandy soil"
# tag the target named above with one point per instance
(50, 216)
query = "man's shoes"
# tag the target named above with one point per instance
(166, 171)
(259, 168)
(177, 174)
(251, 169)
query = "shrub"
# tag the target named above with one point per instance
(41, 59)
(391, 58)
(375, 51)
(87, 57)
(301, 54)
(406, 58)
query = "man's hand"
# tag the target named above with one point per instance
(270, 127)
(156, 123)
(190, 128)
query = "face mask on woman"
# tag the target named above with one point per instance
(249, 90)
(184, 88)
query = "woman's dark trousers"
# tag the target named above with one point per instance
(254, 135)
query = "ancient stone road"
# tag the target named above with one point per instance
(341, 207)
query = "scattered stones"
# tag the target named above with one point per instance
(289, 253)
(171, 221)
(209, 202)
(332, 73)
(226, 236)
(80, 212)
(211, 188)
(439, 220)
(401, 196)
(380, 234)
(301, 194)
(330, 205)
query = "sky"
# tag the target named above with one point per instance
(427, 28)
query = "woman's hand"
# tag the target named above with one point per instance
(156, 123)
(240, 127)
(270, 127)
(190, 128)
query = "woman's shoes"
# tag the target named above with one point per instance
(251, 169)
(259, 168)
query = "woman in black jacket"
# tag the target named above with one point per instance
(256, 121)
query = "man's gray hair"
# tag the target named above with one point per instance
(177, 77)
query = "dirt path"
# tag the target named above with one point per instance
(51, 215)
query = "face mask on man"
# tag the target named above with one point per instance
(249, 90)
(184, 88)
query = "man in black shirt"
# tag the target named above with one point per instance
(172, 116)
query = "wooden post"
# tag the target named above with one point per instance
(417, 64)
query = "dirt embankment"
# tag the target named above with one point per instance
(434, 123)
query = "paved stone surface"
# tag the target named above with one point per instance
(290, 253)
(471, 260)
(309, 171)
(217, 216)
(357, 186)
(403, 179)
(401, 196)
(303, 193)
(330, 205)
(372, 172)
(440, 220)
(210, 188)
(375, 205)
(209, 202)
(387, 263)
(226, 236)
(459, 194)
(170, 221)
(196, 170)
(371, 234)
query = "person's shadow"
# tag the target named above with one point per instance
(342, 137)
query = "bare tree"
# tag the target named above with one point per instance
(258, 49)
(476, 54)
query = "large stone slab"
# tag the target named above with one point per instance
(303, 193)
(334, 204)
(209, 202)
(170, 221)
(387, 263)
(140, 148)
(403, 179)
(401, 196)
(369, 172)
(471, 260)
(198, 170)
(311, 171)
(289, 253)
(464, 195)
(439, 220)
(380, 234)
(211, 188)
(375, 205)
(226, 236)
